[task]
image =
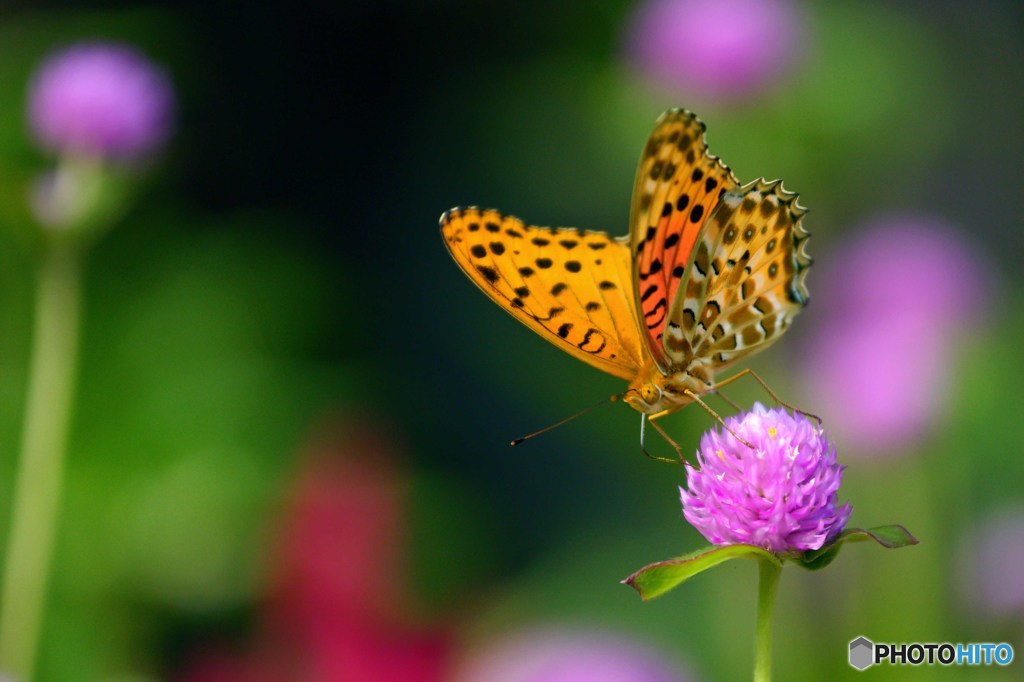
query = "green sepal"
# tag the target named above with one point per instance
(656, 579)
(890, 537)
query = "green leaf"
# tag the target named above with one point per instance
(890, 537)
(656, 579)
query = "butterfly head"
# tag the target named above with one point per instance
(649, 395)
(653, 391)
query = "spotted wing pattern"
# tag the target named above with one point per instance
(573, 287)
(746, 279)
(678, 184)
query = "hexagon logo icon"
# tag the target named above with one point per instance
(862, 653)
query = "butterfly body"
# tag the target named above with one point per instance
(710, 272)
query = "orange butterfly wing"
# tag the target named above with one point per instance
(712, 272)
(678, 184)
(571, 286)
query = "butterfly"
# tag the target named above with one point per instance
(709, 273)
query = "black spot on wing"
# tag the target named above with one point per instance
(489, 273)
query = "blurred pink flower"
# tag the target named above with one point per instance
(342, 524)
(101, 99)
(991, 566)
(889, 307)
(720, 49)
(335, 609)
(568, 656)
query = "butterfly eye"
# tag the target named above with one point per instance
(650, 393)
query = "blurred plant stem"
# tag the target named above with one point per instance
(767, 586)
(40, 467)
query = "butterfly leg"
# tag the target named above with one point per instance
(643, 447)
(696, 398)
(769, 391)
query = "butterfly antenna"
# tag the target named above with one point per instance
(614, 398)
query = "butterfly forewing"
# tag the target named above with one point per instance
(678, 184)
(571, 286)
(744, 282)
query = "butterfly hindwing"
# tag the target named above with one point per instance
(745, 281)
(678, 184)
(571, 286)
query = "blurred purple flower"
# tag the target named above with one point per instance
(992, 566)
(902, 266)
(720, 49)
(101, 99)
(568, 656)
(782, 495)
(890, 309)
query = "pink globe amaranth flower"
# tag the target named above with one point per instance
(566, 655)
(781, 496)
(720, 49)
(891, 306)
(101, 99)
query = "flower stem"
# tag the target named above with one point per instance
(38, 478)
(768, 583)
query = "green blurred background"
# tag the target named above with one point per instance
(281, 288)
